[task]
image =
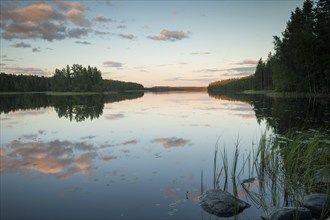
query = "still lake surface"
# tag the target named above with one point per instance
(134, 155)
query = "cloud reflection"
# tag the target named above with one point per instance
(171, 142)
(2, 152)
(59, 158)
(113, 116)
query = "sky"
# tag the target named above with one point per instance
(155, 43)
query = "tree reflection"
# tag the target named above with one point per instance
(286, 114)
(72, 107)
(79, 108)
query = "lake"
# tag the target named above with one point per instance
(139, 155)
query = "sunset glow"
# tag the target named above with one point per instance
(155, 43)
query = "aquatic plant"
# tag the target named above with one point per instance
(235, 158)
(280, 171)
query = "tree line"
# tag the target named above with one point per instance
(234, 84)
(301, 58)
(70, 79)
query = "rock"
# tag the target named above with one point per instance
(290, 213)
(221, 203)
(317, 203)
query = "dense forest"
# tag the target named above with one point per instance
(301, 58)
(234, 84)
(70, 79)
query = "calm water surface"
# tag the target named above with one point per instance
(126, 157)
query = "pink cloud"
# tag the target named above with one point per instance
(43, 21)
(111, 63)
(166, 35)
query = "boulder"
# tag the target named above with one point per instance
(317, 203)
(289, 213)
(222, 203)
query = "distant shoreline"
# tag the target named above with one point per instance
(151, 89)
(164, 89)
(176, 89)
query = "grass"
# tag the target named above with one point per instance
(304, 155)
(235, 158)
(280, 171)
(225, 166)
(216, 172)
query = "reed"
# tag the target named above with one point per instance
(225, 166)
(216, 172)
(202, 185)
(235, 158)
(280, 169)
(305, 156)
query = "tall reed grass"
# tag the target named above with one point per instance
(280, 171)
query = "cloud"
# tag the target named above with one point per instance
(127, 36)
(75, 13)
(247, 62)
(2, 152)
(203, 79)
(57, 158)
(243, 69)
(107, 158)
(210, 70)
(121, 26)
(166, 35)
(24, 70)
(171, 142)
(200, 53)
(113, 116)
(36, 49)
(29, 136)
(235, 71)
(76, 16)
(65, 5)
(32, 30)
(31, 13)
(102, 33)
(83, 146)
(129, 142)
(7, 59)
(43, 21)
(110, 63)
(83, 42)
(102, 19)
(78, 32)
(21, 45)
(87, 137)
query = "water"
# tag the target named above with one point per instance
(131, 155)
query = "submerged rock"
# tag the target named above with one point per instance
(317, 203)
(289, 213)
(221, 203)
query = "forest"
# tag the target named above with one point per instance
(301, 58)
(70, 79)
